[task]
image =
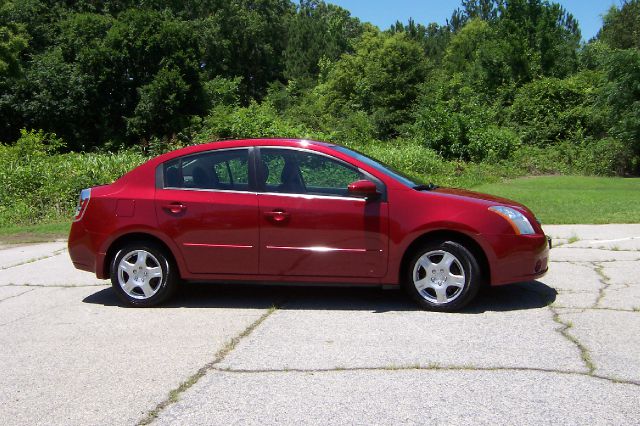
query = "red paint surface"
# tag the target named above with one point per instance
(226, 235)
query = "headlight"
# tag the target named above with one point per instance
(518, 221)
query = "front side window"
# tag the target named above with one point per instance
(222, 170)
(300, 172)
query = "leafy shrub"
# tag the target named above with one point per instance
(492, 143)
(254, 121)
(605, 157)
(40, 186)
(552, 110)
(448, 112)
(622, 93)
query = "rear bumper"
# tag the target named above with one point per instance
(520, 258)
(84, 249)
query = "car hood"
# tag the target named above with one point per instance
(480, 197)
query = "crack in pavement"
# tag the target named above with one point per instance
(35, 259)
(582, 310)
(33, 314)
(431, 367)
(174, 394)
(16, 295)
(604, 280)
(564, 331)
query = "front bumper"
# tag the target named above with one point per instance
(519, 258)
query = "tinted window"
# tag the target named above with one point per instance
(299, 172)
(210, 170)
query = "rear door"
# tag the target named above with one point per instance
(207, 205)
(310, 225)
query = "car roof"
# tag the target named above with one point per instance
(232, 143)
(238, 143)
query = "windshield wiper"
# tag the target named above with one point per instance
(429, 187)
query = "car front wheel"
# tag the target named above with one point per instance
(143, 275)
(443, 276)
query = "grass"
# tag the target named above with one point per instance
(34, 233)
(574, 199)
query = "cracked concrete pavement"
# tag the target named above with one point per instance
(564, 349)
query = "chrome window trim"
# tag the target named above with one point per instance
(174, 188)
(313, 196)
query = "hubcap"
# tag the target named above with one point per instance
(439, 277)
(139, 274)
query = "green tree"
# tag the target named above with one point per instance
(138, 47)
(621, 26)
(13, 40)
(255, 36)
(380, 78)
(433, 38)
(317, 30)
(55, 96)
(622, 94)
(542, 39)
(163, 106)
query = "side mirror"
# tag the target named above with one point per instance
(363, 188)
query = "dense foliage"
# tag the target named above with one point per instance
(502, 87)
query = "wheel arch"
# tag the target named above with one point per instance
(135, 236)
(447, 235)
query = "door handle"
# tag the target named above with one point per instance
(278, 216)
(174, 208)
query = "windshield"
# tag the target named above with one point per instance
(381, 167)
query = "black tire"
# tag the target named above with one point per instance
(162, 287)
(442, 292)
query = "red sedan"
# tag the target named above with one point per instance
(299, 212)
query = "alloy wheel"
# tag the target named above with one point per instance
(439, 277)
(139, 274)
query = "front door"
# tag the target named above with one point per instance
(310, 225)
(205, 205)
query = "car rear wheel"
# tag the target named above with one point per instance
(143, 275)
(443, 276)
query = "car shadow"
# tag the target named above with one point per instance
(529, 295)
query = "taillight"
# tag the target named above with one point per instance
(83, 202)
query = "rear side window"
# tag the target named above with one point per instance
(222, 170)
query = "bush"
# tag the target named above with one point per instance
(41, 186)
(492, 144)
(605, 157)
(551, 110)
(448, 113)
(254, 121)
